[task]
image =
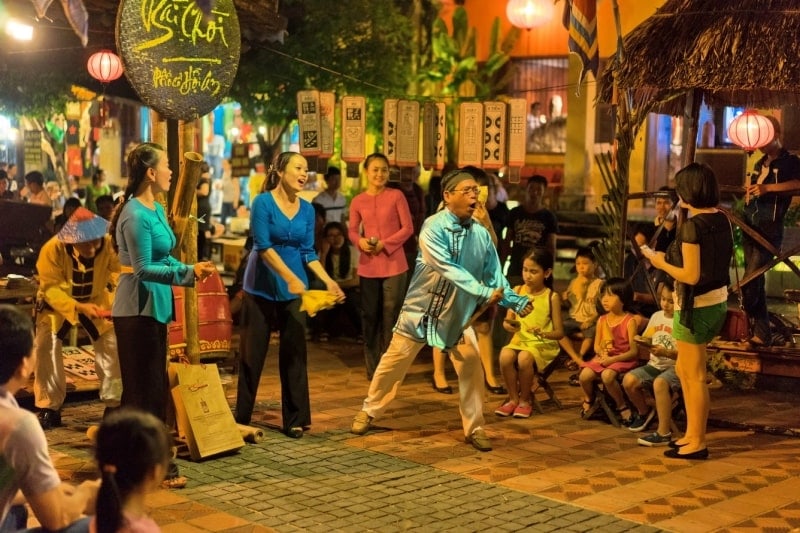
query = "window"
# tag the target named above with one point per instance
(543, 83)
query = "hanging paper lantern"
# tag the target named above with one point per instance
(527, 14)
(104, 66)
(750, 130)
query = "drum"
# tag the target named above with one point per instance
(214, 316)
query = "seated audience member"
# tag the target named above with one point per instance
(658, 374)
(665, 219)
(639, 271)
(105, 206)
(614, 348)
(535, 341)
(5, 189)
(69, 207)
(132, 453)
(27, 475)
(34, 191)
(340, 259)
(582, 294)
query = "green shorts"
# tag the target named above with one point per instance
(708, 322)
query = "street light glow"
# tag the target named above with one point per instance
(19, 31)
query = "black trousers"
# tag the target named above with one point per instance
(259, 318)
(142, 348)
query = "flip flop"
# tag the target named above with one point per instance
(177, 482)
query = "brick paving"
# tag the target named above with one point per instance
(552, 472)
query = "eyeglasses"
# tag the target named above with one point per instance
(467, 190)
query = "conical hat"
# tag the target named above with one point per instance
(83, 226)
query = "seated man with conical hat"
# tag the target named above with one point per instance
(78, 270)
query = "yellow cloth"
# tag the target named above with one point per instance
(313, 302)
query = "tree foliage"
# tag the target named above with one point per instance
(355, 47)
(452, 69)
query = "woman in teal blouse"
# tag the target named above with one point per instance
(143, 303)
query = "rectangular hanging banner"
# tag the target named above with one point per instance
(308, 118)
(494, 135)
(407, 133)
(433, 135)
(327, 106)
(354, 122)
(470, 138)
(390, 130)
(517, 124)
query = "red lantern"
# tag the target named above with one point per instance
(104, 66)
(529, 14)
(750, 130)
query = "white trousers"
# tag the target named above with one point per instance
(394, 365)
(50, 383)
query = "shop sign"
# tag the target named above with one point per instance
(179, 60)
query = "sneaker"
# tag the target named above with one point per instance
(654, 439)
(639, 422)
(507, 409)
(523, 411)
(479, 440)
(361, 423)
(323, 337)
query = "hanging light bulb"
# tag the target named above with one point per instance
(751, 130)
(527, 14)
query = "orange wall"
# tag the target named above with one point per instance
(551, 39)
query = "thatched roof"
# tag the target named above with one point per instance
(736, 52)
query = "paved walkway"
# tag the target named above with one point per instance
(551, 472)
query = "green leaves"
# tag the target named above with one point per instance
(363, 47)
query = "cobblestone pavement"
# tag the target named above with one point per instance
(414, 472)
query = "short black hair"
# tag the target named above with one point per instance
(102, 199)
(537, 179)
(697, 185)
(16, 340)
(35, 176)
(672, 196)
(619, 287)
(586, 252)
(332, 171)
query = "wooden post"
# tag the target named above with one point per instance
(691, 116)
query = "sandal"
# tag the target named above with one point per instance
(624, 420)
(572, 366)
(177, 482)
(586, 406)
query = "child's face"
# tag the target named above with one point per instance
(532, 274)
(611, 302)
(585, 267)
(335, 238)
(667, 304)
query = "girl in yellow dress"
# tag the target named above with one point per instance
(536, 336)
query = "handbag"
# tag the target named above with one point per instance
(737, 324)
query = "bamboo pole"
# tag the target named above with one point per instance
(184, 221)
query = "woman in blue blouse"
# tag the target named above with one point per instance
(282, 226)
(143, 303)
